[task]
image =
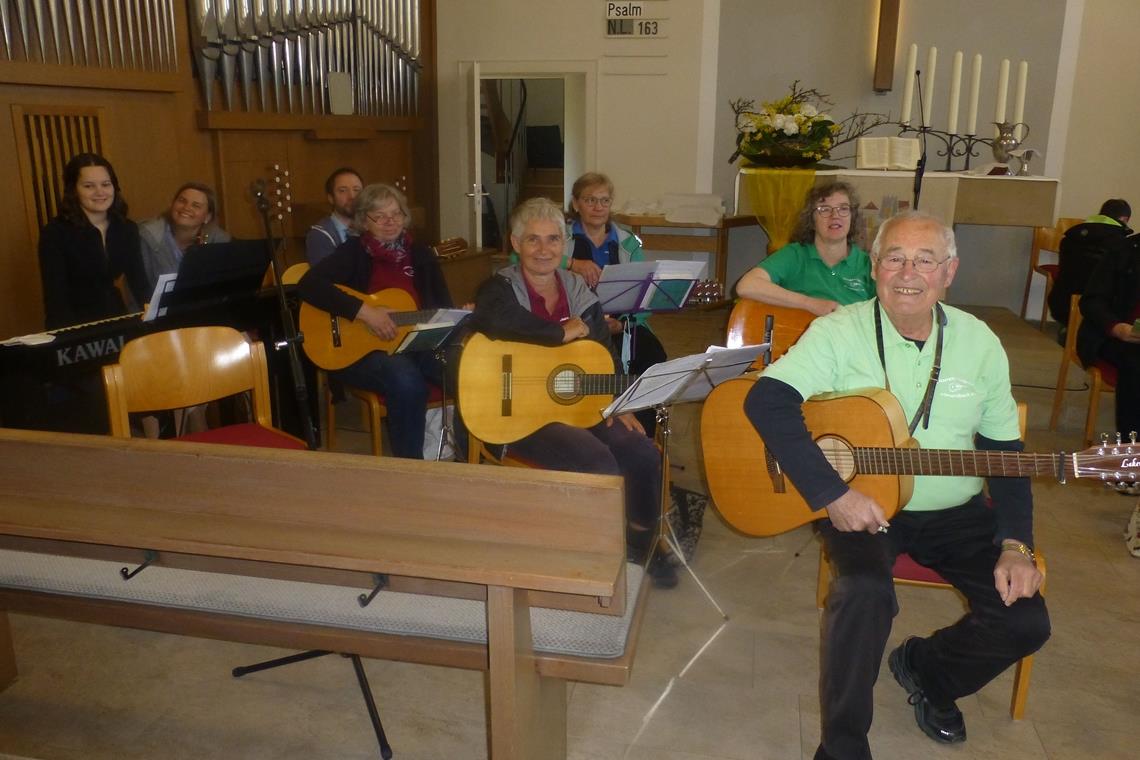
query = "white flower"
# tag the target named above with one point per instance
(790, 127)
(745, 123)
(807, 109)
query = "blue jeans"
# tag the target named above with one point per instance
(404, 380)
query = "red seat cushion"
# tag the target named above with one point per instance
(1107, 371)
(909, 570)
(1049, 270)
(246, 434)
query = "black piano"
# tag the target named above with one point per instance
(58, 385)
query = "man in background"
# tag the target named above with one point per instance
(341, 188)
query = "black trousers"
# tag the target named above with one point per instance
(951, 663)
(1126, 358)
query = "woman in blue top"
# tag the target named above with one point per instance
(595, 241)
(822, 268)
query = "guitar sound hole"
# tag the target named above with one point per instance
(564, 384)
(839, 455)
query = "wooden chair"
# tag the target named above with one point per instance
(1101, 374)
(907, 572)
(374, 408)
(175, 369)
(1045, 239)
(292, 274)
(748, 318)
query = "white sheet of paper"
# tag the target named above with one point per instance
(162, 286)
(689, 378)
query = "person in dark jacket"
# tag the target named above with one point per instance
(88, 247)
(384, 256)
(1110, 307)
(1082, 248)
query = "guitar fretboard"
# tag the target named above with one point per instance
(402, 318)
(598, 385)
(971, 463)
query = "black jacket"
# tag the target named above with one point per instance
(78, 273)
(350, 264)
(1111, 294)
(1082, 248)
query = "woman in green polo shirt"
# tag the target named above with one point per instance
(822, 268)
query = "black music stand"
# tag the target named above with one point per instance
(689, 378)
(213, 275)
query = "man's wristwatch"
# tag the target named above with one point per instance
(1020, 548)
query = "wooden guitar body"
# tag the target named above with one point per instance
(746, 484)
(746, 325)
(334, 343)
(508, 390)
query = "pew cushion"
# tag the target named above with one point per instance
(579, 634)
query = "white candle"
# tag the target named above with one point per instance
(1003, 90)
(975, 87)
(928, 86)
(1019, 97)
(908, 86)
(955, 92)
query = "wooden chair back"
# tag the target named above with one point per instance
(1097, 382)
(746, 325)
(294, 273)
(180, 368)
(1045, 239)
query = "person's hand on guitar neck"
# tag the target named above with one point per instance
(377, 320)
(573, 329)
(854, 511)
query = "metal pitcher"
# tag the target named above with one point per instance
(1006, 141)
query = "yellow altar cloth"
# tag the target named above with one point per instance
(776, 197)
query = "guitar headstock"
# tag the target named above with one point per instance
(1111, 461)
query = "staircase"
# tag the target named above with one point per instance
(543, 183)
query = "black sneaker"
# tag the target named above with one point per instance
(942, 724)
(662, 571)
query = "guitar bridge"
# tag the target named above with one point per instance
(334, 328)
(508, 389)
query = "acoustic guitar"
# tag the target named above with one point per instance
(863, 434)
(747, 326)
(508, 390)
(333, 342)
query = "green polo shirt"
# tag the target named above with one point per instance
(798, 267)
(839, 353)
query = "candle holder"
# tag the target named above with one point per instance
(954, 145)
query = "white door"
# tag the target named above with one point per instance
(475, 192)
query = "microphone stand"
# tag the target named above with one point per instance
(292, 337)
(920, 167)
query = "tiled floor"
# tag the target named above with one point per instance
(702, 689)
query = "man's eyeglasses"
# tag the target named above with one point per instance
(386, 218)
(924, 264)
(595, 202)
(844, 210)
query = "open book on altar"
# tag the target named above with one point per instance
(662, 285)
(887, 153)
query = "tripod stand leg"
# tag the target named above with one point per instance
(370, 703)
(247, 669)
(671, 538)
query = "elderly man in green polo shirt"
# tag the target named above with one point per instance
(823, 267)
(951, 377)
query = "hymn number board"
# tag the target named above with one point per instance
(635, 18)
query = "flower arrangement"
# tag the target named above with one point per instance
(794, 130)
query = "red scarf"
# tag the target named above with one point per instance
(391, 264)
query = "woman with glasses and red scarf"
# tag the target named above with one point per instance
(384, 256)
(823, 268)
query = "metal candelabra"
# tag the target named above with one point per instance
(954, 145)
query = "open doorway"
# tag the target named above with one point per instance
(530, 138)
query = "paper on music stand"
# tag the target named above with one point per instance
(621, 286)
(164, 285)
(689, 378)
(672, 281)
(430, 335)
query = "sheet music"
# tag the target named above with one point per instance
(689, 378)
(621, 286)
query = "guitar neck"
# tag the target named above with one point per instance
(405, 318)
(970, 463)
(601, 385)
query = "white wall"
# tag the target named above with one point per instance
(644, 92)
(1101, 145)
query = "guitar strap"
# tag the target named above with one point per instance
(923, 410)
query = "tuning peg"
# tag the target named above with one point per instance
(1132, 436)
(1118, 441)
(1104, 439)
